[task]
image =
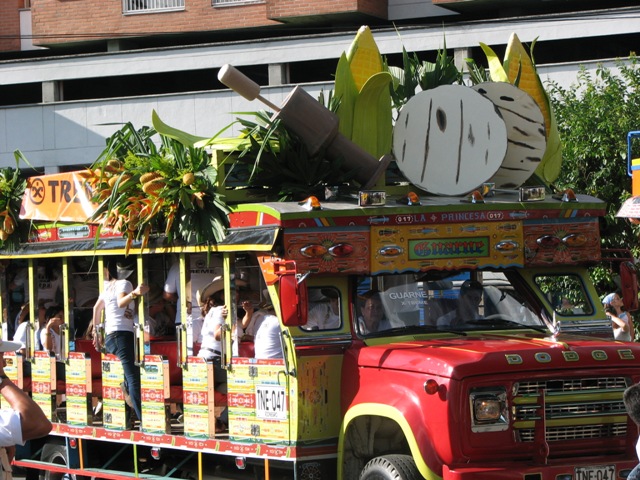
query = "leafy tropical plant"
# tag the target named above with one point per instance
(594, 116)
(279, 163)
(423, 74)
(12, 186)
(141, 187)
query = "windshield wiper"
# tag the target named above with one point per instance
(501, 322)
(409, 329)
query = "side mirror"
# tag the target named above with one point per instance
(293, 298)
(629, 283)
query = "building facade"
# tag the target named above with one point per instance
(72, 72)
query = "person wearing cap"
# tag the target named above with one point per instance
(372, 318)
(24, 420)
(467, 308)
(211, 301)
(326, 314)
(614, 308)
(117, 301)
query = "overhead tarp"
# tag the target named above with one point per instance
(251, 239)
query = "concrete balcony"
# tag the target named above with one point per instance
(296, 11)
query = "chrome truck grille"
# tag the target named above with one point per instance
(574, 409)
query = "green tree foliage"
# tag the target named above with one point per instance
(594, 116)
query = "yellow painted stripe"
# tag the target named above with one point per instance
(387, 411)
(146, 251)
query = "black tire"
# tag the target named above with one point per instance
(391, 467)
(57, 455)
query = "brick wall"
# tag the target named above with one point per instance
(10, 25)
(61, 21)
(301, 8)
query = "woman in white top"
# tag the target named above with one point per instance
(50, 336)
(118, 303)
(20, 336)
(613, 306)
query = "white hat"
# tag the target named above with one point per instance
(125, 269)
(215, 286)
(7, 346)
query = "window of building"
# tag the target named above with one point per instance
(146, 6)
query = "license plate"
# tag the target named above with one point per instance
(596, 472)
(271, 402)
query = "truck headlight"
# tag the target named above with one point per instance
(489, 411)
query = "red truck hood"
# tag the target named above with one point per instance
(474, 354)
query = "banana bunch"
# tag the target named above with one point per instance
(362, 86)
(519, 69)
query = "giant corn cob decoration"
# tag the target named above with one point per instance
(362, 86)
(518, 68)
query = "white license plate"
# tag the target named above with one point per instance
(271, 402)
(596, 472)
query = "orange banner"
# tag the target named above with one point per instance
(59, 197)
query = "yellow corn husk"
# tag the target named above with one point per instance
(372, 117)
(549, 168)
(364, 57)
(517, 61)
(346, 91)
(149, 176)
(496, 70)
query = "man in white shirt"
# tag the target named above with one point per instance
(23, 421)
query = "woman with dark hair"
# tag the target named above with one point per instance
(614, 308)
(117, 301)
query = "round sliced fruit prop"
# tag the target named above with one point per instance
(525, 132)
(449, 140)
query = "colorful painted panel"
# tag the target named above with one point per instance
(154, 389)
(199, 408)
(258, 399)
(113, 406)
(318, 397)
(43, 378)
(458, 245)
(78, 391)
(555, 242)
(329, 249)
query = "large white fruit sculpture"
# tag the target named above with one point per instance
(449, 140)
(526, 140)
